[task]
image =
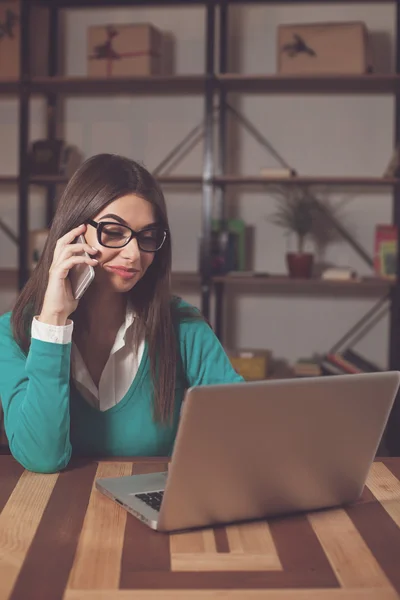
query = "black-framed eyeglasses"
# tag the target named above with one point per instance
(114, 235)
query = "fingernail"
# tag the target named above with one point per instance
(93, 248)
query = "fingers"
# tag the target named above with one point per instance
(87, 248)
(71, 249)
(69, 237)
(62, 268)
(66, 249)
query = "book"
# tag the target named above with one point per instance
(329, 368)
(276, 172)
(385, 252)
(238, 231)
(365, 366)
(347, 362)
(345, 365)
(307, 367)
(339, 274)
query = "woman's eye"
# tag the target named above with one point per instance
(113, 231)
(149, 234)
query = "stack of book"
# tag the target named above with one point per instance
(345, 363)
(307, 367)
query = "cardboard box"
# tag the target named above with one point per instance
(252, 365)
(323, 49)
(10, 39)
(124, 50)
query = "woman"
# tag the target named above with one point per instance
(104, 375)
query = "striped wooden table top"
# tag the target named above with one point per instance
(60, 538)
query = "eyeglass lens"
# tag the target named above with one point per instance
(115, 236)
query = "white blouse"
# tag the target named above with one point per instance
(119, 372)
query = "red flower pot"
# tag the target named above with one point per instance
(300, 265)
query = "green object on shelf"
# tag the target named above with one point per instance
(238, 227)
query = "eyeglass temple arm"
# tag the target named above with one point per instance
(92, 223)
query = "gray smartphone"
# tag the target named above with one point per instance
(82, 275)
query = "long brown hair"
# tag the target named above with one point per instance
(98, 182)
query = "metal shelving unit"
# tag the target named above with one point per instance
(54, 87)
(225, 83)
(216, 83)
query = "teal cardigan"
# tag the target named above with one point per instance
(47, 420)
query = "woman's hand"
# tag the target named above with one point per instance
(59, 301)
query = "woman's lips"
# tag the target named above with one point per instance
(122, 272)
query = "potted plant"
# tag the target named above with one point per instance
(297, 213)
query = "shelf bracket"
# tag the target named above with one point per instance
(363, 325)
(261, 139)
(182, 149)
(346, 235)
(9, 233)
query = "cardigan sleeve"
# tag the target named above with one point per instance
(34, 391)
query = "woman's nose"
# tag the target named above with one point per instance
(131, 250)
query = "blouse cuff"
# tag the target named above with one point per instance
(56, 334)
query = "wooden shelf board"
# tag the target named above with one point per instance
(62, 179)
(164, 179)
(185, 278)
(116, 3)
(335, 84)
(8, 180)
(178, 84)
(310, 1)
(195, 84)
(232, 180)
(307, 180)
(180, 179)
(8, 278)
(238, 180)
(35, 179)
(188, 3)
(48, 179)
(283, 283)
(9, 87)
(278, 283)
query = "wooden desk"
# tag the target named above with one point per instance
(60, 538)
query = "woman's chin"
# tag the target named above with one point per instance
(119, 284)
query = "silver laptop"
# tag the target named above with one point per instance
(261, 449)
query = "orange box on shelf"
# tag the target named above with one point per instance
(124, 50)
(10, 36)
(252, 365)
(323, 49)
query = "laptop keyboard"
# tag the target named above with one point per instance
(153, 499)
